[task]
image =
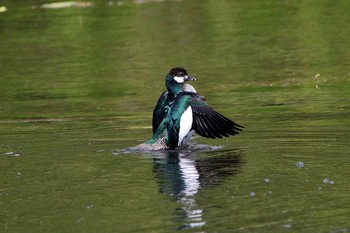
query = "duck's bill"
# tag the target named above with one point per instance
(189, 78)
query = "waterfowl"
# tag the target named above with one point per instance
(180, 111)
(175, 83)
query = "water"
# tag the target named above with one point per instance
(79, 84)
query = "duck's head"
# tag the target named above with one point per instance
(176, 79)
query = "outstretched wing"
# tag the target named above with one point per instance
(209, 123)
(160, 110)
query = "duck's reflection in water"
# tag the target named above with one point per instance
(183, 175)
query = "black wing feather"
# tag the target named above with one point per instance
(160, 110)
(209, 123)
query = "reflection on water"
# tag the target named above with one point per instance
(182, 175)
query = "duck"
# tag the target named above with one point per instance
(175, 83)
(181, 111)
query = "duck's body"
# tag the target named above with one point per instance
(164, 102)
(175, 83)
(181, 112)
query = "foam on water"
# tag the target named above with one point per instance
(160, 146)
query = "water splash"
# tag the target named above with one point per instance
(161, 148)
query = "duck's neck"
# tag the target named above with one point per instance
(173, 91)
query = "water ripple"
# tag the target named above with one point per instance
(183, 175)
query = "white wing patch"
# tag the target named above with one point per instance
(187, 138)
(185, 124)
(179, 79)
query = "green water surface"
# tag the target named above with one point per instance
(79, 84)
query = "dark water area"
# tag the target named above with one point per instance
(79, 83)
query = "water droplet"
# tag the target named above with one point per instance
(299, 164)
(287, 225)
